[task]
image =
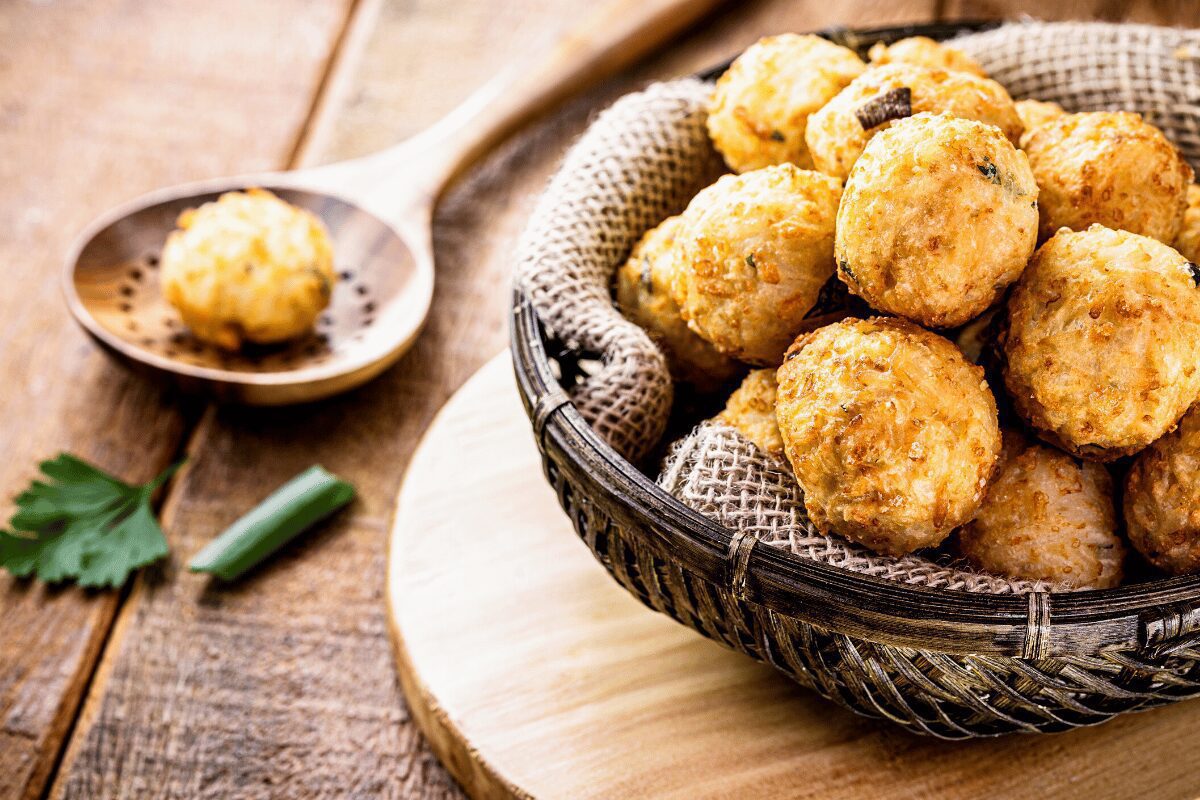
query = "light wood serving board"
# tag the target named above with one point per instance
(534, 674)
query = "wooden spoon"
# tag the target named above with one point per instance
(378, 210)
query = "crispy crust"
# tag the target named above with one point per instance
(892, 434)
(1162, 500)
(751, 411)
(1188, 240)
(925, 52)
(1048, 518)
(248, 267)
(755, 250)
(1109, 168)
(761, 105)
(1102, 342)
(836, 137)
(644, 296)
(1034, 113)
(938, 217)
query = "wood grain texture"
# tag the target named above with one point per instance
(100, 101)
(579, 680)
(284, 684)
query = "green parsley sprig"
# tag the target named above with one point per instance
(83, 524)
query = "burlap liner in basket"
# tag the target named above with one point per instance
(725, 477)
(645, 157)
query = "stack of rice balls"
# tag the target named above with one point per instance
(1032, 341)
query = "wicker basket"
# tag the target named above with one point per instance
(945, 663)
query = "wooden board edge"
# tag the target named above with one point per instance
(470, 768)
(477, 777)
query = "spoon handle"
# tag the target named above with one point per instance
(412, 174)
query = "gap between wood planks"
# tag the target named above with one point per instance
(357, 25)
(315, 129)
(355, 28)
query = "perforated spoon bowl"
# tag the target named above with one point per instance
(378, 210)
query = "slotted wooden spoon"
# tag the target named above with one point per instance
(378, 210)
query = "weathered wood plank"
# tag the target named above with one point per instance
(284, 684)
(100, 101)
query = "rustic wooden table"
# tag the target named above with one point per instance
(282, 685)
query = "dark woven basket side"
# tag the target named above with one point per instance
(919, 664)
(945, 663)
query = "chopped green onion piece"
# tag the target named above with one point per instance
(310, 496)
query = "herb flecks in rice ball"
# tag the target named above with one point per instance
(836, 136)
(755, 250)
(938, 217)
(644, 297)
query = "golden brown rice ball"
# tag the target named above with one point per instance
(1034, 113)
(938, 217)
(1162, 499)
(644, 297)
(248, 267)
(1102, 341)
(755, 250)
(1046, 517)
(1108, 168)
(761, 105)
(1188, 240)
(838, 133)
(751, 412)
(891, 433)
(925, 52)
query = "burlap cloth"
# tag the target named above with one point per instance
(646, 156)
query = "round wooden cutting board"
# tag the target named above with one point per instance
(534, 674)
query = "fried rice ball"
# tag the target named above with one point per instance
(755, 250)
(750, 411)
(891, 433)
(938, 217)
(1101, 341)
(925, 52)
(837, 134)
(644, 297)
(1162, 499)
(1034, 113)
(762, 103)
(1109, 168)
(248, 267)
(1188, 240)
(1046, 517)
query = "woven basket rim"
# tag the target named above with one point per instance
(1040, 624)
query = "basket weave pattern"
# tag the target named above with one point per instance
(946, 695)
(884, 638)
(730, 480)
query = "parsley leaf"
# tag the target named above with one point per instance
(82, 524)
